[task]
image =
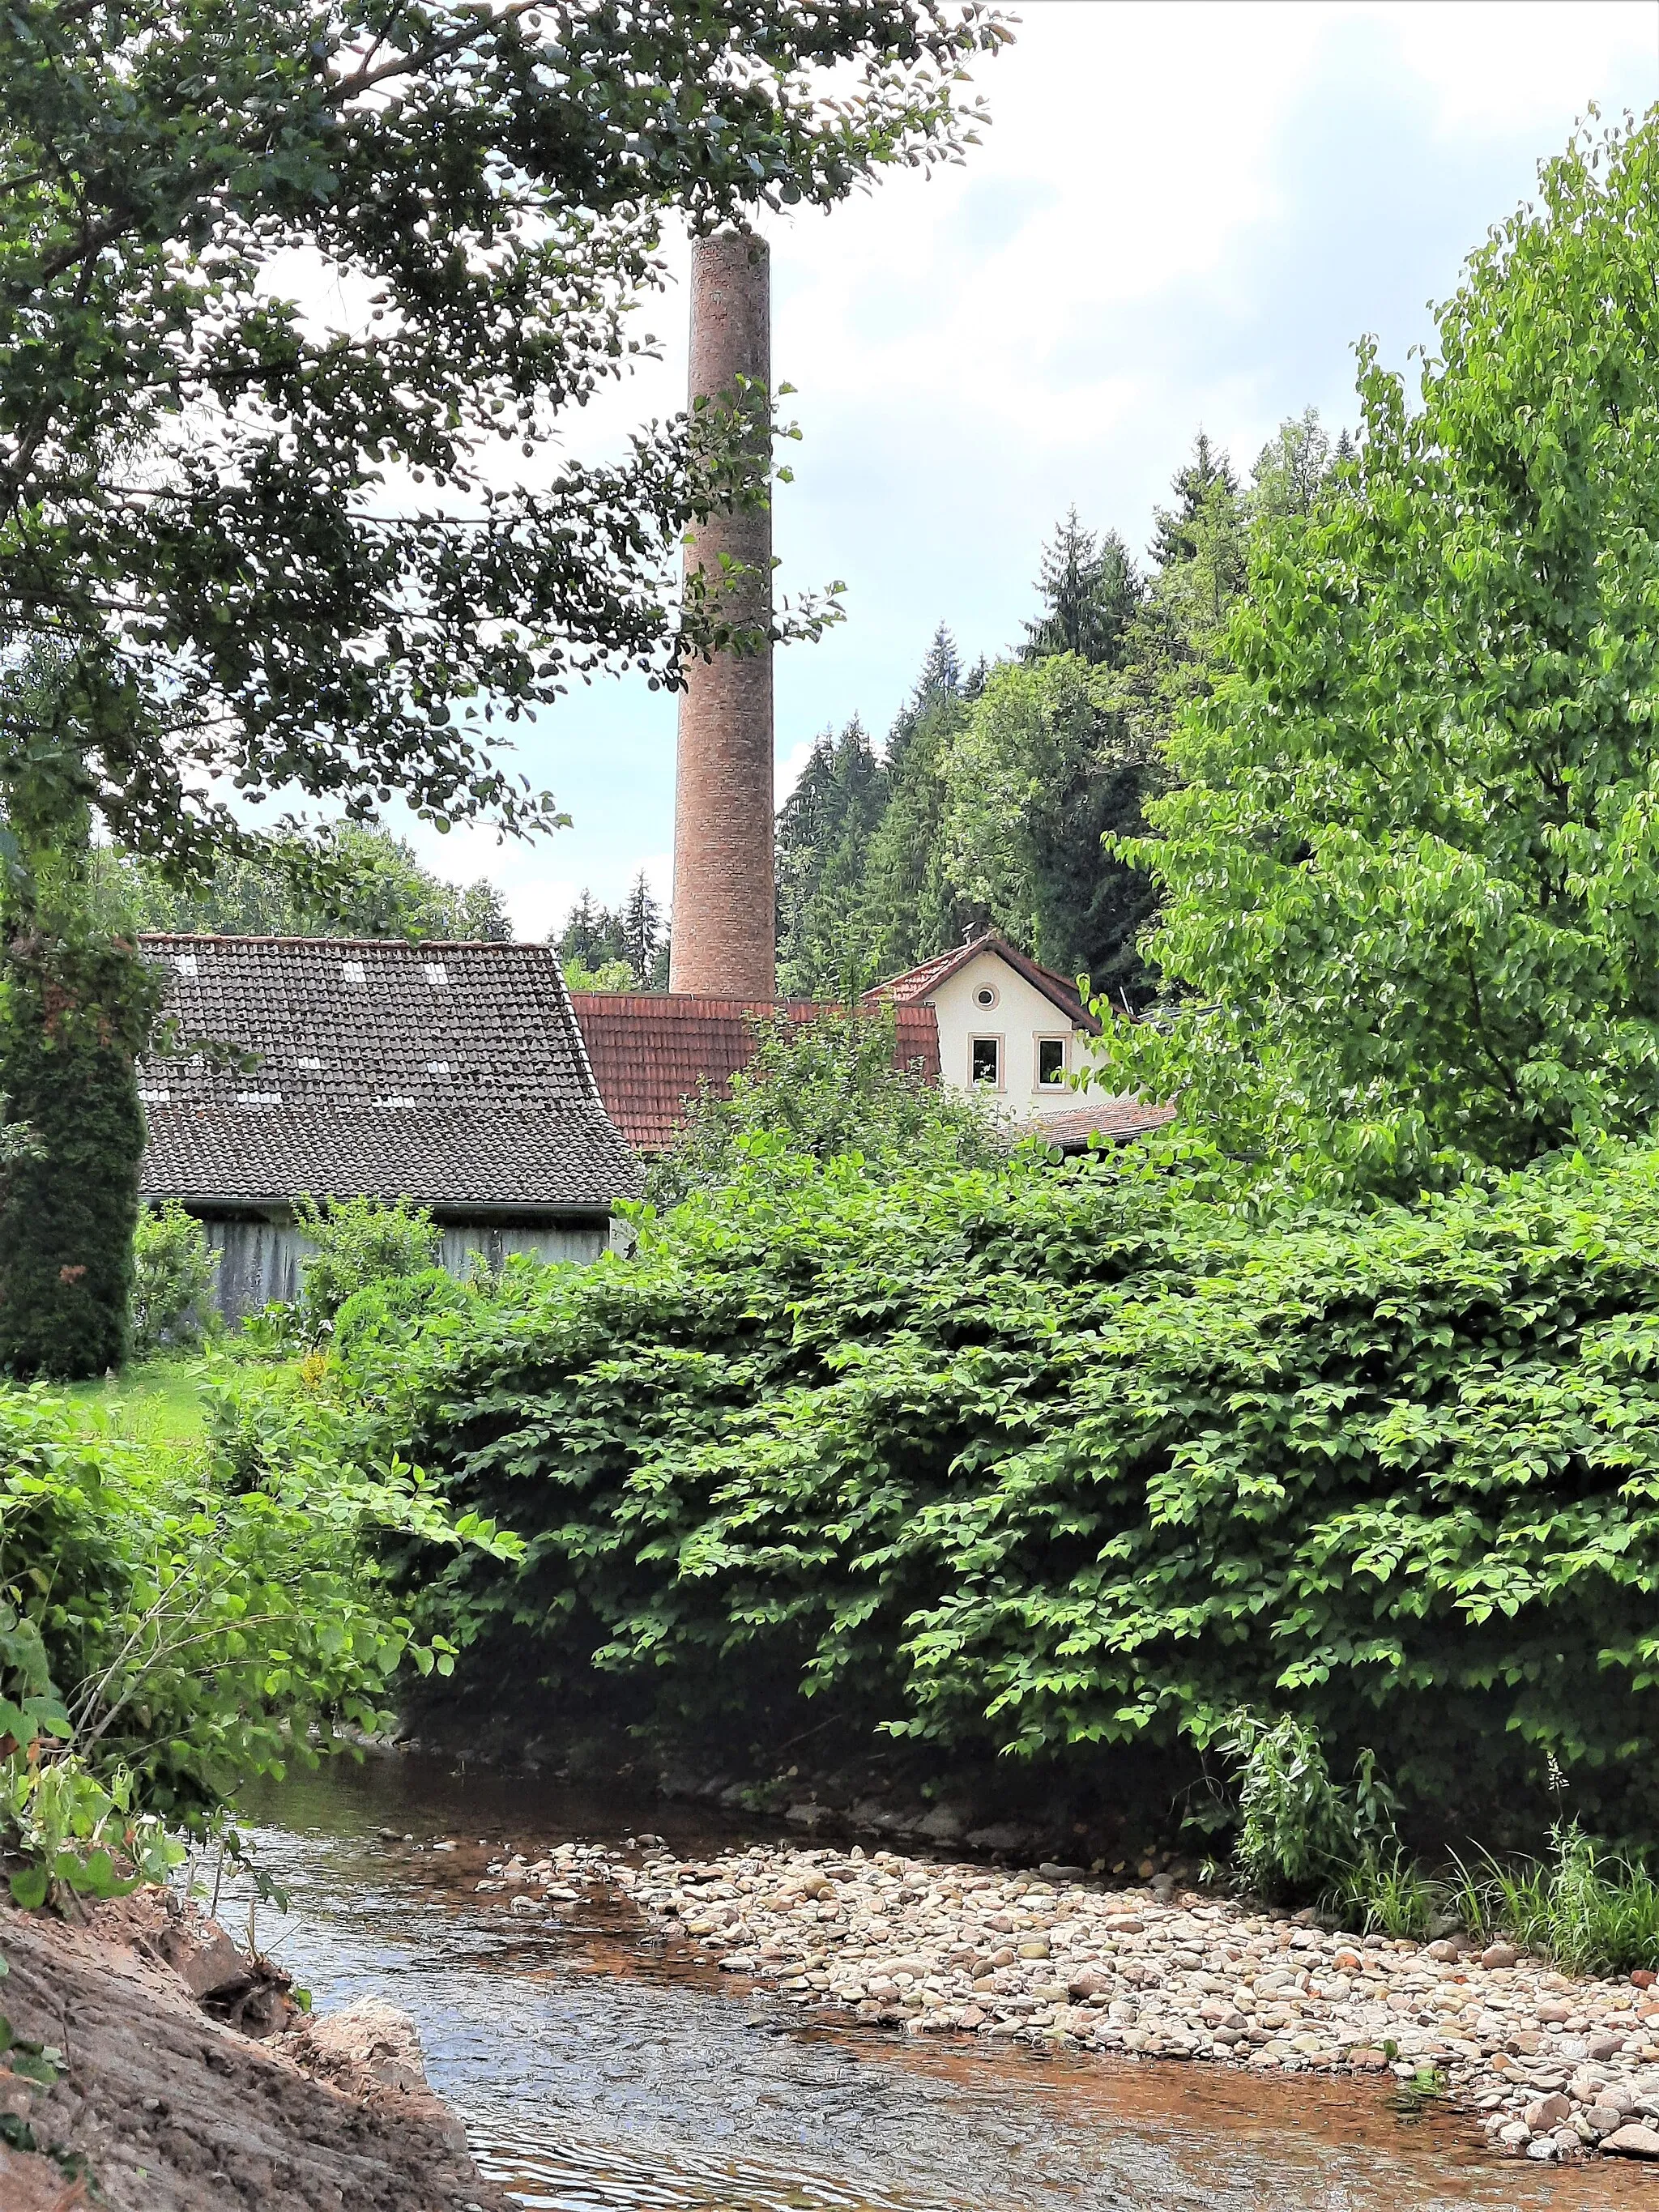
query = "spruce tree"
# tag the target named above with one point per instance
(1089, 590)
(941, 671)
(824, 834)
(641, 931)
(908, 909)
(592, 936)
(1194, 486)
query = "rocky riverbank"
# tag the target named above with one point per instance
(1554, 2068)
(171, 2073)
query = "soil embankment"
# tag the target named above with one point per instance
(188, 2083)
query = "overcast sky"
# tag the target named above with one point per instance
(1180, 214)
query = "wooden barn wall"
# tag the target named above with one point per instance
(259, 1260)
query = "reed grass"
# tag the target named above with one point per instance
(1592, 1911)
(1387, 1893)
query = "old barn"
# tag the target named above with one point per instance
(455, 1075)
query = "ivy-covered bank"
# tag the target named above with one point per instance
(1075, 1463)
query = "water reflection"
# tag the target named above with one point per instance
(599, 2072)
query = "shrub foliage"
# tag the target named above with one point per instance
(1054, 1460)
(822, 1089)
(174, 1622)
(174, 1268)
(73, 1015)
(356, 1241)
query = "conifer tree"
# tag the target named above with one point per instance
(909, 909)
(941, 671)
(1196, 486)
(76, 1003)
(642, 931)
(1089, 589)
(824, 834)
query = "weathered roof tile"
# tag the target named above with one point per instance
(452, 1074)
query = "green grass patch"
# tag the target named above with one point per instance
(159, 1403)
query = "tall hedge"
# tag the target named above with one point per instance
(1063, 1461)
(73, 1015)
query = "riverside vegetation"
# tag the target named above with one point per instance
(1066, 1463)
(1294, 1474)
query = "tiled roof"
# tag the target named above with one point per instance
(917, 984)
(651, 1050)
(1115, 1119)
(452, 1074)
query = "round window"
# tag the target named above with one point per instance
(986, 995)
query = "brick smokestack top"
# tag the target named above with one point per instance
(725, 926)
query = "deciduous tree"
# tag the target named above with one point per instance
(353, 881)
(289, 298)
(1412, 873)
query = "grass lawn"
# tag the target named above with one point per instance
(157, 1403)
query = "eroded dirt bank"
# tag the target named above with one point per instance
(162, 2106)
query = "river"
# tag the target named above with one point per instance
(598, 2072)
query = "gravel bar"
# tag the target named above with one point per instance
(1556, 2067)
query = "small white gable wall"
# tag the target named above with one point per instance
(1016, 1022)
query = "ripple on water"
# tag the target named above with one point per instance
(597, 2073)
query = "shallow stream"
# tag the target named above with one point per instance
(598, 2071)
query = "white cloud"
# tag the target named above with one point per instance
(1180, 215)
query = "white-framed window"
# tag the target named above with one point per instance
(986, 995)
(1051, 1063)
(985, 1062)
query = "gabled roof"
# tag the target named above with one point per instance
(650, 1051)
(917, 985)
(452, 1074)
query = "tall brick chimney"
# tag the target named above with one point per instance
(725, 925)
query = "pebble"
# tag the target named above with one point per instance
(1555, 2067)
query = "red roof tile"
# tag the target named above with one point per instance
(651, 1051)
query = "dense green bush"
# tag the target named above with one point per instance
(1061, 1460)
(72, 1016)
(174, 1621)
(173, 1272)
(356, 1241)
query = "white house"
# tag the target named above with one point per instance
(1006, 1025)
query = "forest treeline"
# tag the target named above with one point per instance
(989, 801)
